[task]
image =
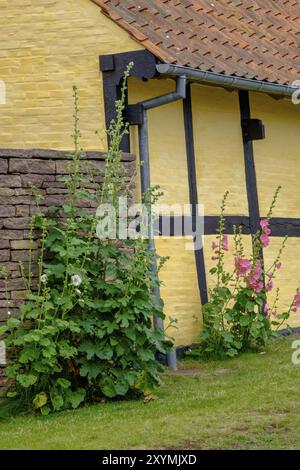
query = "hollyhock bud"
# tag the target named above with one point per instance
(270, 286)
(225, 242)
(214, 246)
(264, 223)
(255, 273)
(297, 300)
(266, 310)
(278, 264)
(264, 238)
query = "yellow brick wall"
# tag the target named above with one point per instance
(288, 278)
(46, 46)
(179, 289)
(219, 149)
(277, 156)
(166, 140)
(277, 163)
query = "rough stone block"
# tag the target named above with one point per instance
(19, 294)
(24, 244)
(12, 284)
(10, 181)
(11, 234)
(20, 222)
(4, 255)
(22, 210)
(7, 211)
(35, 180)
(4, 244)
(34, 165)
(7, 192)
(3, 165)
(23, 255)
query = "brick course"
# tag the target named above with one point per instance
(43, 168)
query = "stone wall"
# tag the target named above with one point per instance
(18, 170)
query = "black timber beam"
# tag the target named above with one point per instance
(250, 174)
(193, 193)
(112, 67)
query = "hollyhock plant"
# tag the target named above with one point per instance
(238, 316)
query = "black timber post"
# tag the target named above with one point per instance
(192, 181)
(112, 67)
(250, 174)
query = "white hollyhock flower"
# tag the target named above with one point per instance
(76, 280)
(8, 313)
(44, 278)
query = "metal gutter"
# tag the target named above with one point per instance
(145, 177)
(228, 81)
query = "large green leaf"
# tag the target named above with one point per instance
(26, 380)
(76, 398)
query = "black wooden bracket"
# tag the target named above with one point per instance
(253, 129)
(112, 67)
(133, 114)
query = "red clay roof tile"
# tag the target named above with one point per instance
(254, 39)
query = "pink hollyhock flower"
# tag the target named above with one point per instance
(266, 310)
(264, 223)
(225, 242)
(264, 238)
(297, 300)
(214, 246)
(242, 266)
(257, 286)
(270, 275)
(278, 264)
(256, 273)
(270, 286)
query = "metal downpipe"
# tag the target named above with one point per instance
(146, 181)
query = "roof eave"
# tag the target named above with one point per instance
(227, 81)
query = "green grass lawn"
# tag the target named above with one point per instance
(251, 402)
